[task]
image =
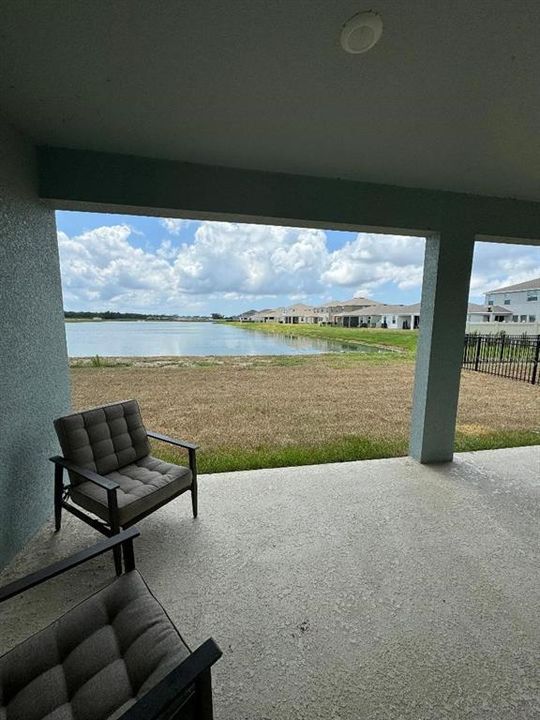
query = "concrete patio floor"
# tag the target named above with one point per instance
(376, 589)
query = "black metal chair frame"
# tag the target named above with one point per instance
(166, 699)
(61, 494)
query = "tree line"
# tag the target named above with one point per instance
(110, 315)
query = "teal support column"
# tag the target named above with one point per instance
(34, 376)
(445, 291)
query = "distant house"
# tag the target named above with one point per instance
(406, 317)
(521, 301)
(488, 313)
(302, 314)
(269, 315)
(247, 316)
(516, 306)
(330, 309)
(299, 315)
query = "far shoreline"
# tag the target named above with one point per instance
(140, 320)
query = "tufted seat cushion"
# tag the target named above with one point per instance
(143, 485)
(95, 661)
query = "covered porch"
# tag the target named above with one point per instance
(400, 588)
(135, 138)
(378, 589)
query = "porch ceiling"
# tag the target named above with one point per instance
(378, 589)
(449, 98)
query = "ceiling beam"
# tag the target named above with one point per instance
(106, 182)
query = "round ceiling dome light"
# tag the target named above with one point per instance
(361, 32)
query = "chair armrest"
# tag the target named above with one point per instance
(171, 687)
(123, 538)
(90, 475)
(172, 441)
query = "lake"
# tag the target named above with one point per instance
(125, 338)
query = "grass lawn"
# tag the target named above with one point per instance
(252, 412)
(404, 340)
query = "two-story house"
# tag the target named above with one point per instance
(521, 300)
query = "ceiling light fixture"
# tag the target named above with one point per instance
(361, 32)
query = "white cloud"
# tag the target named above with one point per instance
(173, 225)
(230, 263)
(101, 267)
(371, 260)
(500, 264)
(252, 260)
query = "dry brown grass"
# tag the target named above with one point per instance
(488, 403)
(254, 403)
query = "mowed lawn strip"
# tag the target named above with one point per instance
(404, 340)
(276, 411)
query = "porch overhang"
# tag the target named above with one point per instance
(106, 182)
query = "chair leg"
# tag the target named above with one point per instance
(203, 697)
(193, 468)
(58, 490)
(112, 502)
(117, 554)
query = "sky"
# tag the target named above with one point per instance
(188, 267)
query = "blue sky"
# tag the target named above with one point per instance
(142, 264)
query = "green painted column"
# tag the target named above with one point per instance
(445, 291)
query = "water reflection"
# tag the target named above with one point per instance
(116, 339)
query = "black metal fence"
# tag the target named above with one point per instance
(515, 357)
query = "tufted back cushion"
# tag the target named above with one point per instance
(104, 439)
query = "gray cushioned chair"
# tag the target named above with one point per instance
(106, 452)
(115, 656)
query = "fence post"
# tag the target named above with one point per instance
(501, 356)
(477, 359)
(535, 362)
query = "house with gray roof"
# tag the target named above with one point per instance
(521, 301)
(517, 306)
(300, 315)
(406, 317)
(247, 316)
(269, 315)
(330, 309)
(488, 313)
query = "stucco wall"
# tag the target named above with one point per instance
(491, 328)
(34, 382)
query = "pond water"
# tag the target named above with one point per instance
(125, 338)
